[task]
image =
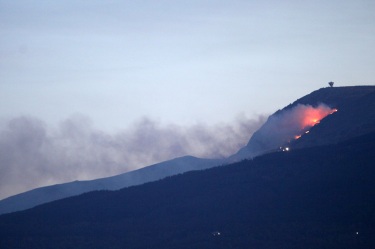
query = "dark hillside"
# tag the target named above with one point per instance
(154, 172)
(355, 117)
(334, 96)
(322, 197)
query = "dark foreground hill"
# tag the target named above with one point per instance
(150, 173)
(321, 197)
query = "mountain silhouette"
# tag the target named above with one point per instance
(317, 197)
(154, 172)
(355, 117)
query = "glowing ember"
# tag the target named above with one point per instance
(296, 137)
(284, 149)
(333, 111)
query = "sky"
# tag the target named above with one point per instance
(72, 71)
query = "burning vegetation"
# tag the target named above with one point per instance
(312, 117)
(285, 126)
(291, 124)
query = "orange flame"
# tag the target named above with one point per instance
(312, 116)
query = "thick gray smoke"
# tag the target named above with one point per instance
(33, 154)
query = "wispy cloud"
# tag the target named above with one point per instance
(33, 154)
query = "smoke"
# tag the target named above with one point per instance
(285, 125)
(33, 154)
(291, 122)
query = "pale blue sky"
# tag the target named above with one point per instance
(179, 62)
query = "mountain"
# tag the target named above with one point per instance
(355, 116)
(154, 172)
(316, 197)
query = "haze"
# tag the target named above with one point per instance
(184, 64)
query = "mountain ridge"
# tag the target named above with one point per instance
(326, 132)
(318, 197)
(334, 97)
(153, 172)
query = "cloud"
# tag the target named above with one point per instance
(33, 154)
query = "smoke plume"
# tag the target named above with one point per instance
(33, 154)
(284, 126)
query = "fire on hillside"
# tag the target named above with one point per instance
(304, 119)
(313, 117)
